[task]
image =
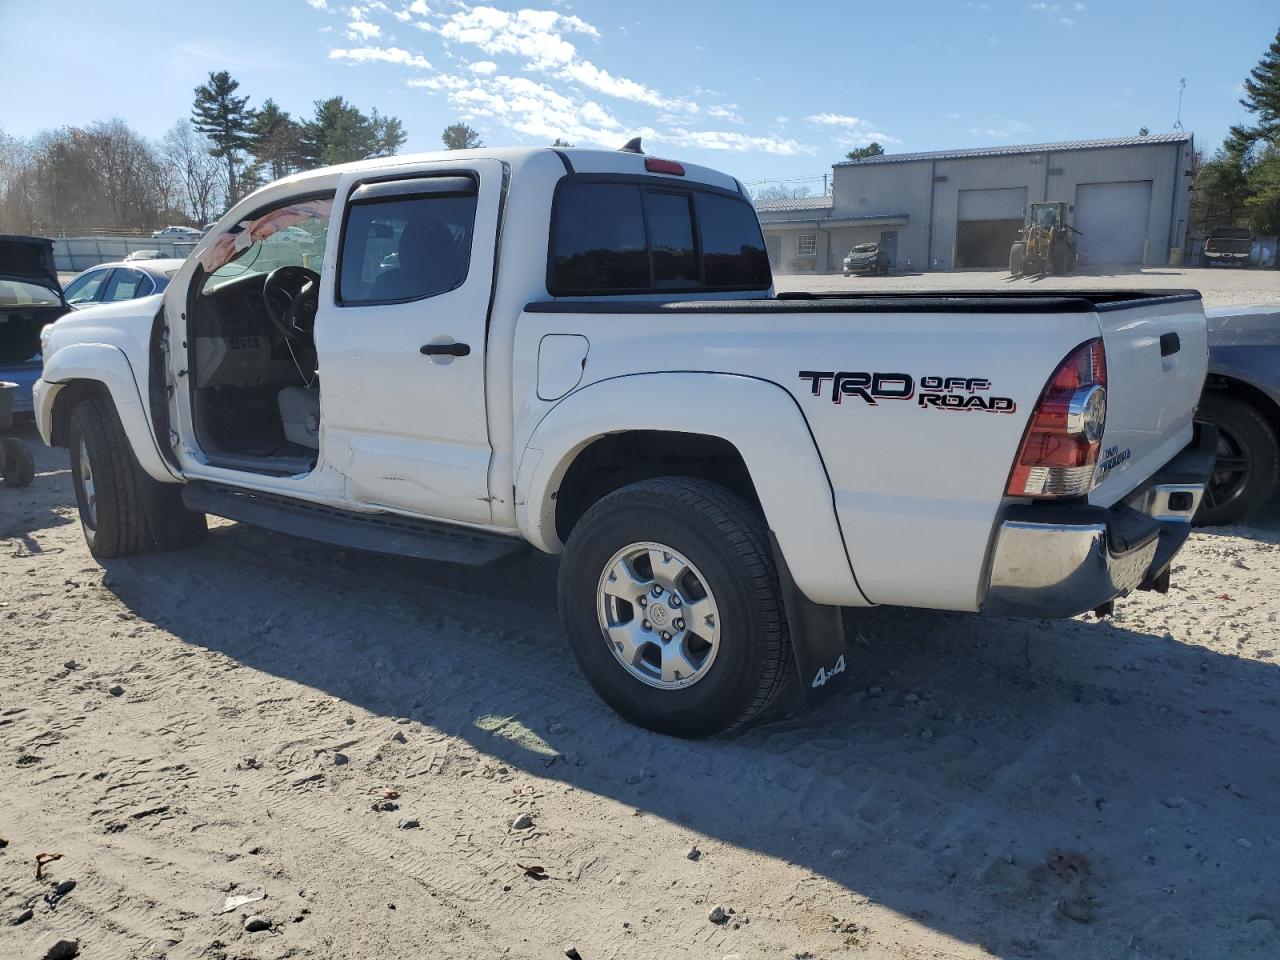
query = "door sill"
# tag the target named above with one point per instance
(376, 532)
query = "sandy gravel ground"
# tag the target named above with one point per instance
(1220, 286)
(357, 735)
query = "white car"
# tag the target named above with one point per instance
(177, 233)
(582, 350)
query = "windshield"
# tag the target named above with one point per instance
(16, 293)
(1046, 216)
(865, 248)
(291, 235)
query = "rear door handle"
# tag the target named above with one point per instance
(446, 349)
(1169, 344)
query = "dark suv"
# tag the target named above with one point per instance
(1228, 245)
(867, 258)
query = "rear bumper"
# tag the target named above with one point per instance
(1061, 560)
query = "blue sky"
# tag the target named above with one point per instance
(763, 90)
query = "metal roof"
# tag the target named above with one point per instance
(795, 203)
(1061, 147)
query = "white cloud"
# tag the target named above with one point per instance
(556, 99)
(361, 29)
(1080, 8)
(382, 54)
(834, 120)
(318, 4)
(732, 140)
(725, 113)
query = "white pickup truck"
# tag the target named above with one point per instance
(452, 355)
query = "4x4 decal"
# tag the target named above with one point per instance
(935, 392)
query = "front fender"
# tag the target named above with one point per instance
(758, 417)
(107, 365)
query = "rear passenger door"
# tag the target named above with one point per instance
(127, 284)
(400, 338)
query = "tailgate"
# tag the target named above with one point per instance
(1157, 357)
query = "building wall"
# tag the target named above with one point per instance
(789, 235)
(913, 187)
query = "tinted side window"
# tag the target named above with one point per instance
(675, 261)
(636, 236)
(599, 241)
(733, 252)
(405, 248)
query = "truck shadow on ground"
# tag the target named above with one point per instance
(1039, 788)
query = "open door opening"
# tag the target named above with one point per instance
(255, 386)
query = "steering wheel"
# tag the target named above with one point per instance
(292, 294)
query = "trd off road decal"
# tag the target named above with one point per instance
(935, 393)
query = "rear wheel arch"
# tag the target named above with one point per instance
(612, 461)
(1222, 385)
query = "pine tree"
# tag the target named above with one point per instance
(227, 120)
(872, 149)
(277, 140)
(1262, 96)
(458, 136)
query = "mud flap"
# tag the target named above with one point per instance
(817, 637)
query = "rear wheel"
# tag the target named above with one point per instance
(1017, 257)
(670, 599)
(1244, 475)
(1058, 257)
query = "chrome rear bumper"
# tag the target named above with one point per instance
(1054, 560)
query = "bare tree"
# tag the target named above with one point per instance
(193, 169)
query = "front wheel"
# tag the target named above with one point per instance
(1017, 258)
(122, 510)
(670, 599)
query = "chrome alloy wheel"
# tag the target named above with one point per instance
(86, 482)
(658, 616)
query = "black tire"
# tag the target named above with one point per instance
(131, 513)
(16, 463)
(725, 539)
(1017, 257)
(1247, 455)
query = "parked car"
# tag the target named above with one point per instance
(1228, 246)
(177, 233)
(552, 360)
(869, 258)
(120, 280)
(30, 295)
(1242, 398)
(146, 255)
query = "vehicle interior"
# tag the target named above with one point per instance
(255, 380)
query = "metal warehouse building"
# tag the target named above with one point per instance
(963, 208)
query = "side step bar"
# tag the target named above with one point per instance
(378, 532)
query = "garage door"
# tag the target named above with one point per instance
(989, 221)
(1004, 204)
(1112, 218)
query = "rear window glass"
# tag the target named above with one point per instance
(610, 238)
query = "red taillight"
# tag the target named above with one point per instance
(1060, 447)
(657, 165)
